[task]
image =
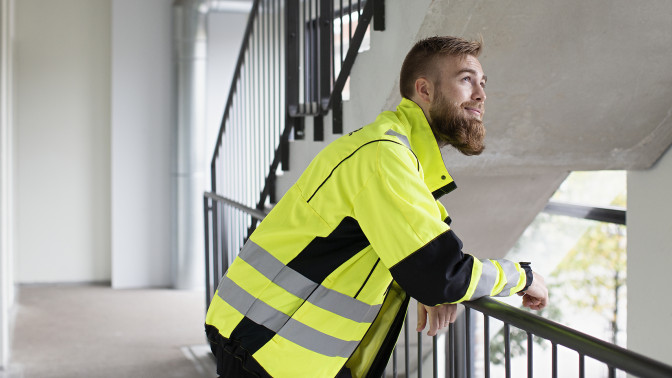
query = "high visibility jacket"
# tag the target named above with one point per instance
(321, 287)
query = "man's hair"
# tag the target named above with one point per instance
(420, 61)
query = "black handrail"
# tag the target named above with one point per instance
(254, 213)
(611, 354)
(611, 214)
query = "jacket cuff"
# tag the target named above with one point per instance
(528, 274)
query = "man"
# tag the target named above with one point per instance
(321, 287)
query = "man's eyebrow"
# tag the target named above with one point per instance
(471, 71)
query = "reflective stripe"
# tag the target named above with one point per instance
(278, 322)
(487, 280)
(401, 137)
(314, 340)
(512, 276)
(276, 271)
(302, 287)
(344, 305)
(244, 302)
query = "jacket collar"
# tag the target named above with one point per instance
(424, 145)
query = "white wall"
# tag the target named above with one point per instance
(142, 120)
(6, 172)
(650, 259)
(62, 81)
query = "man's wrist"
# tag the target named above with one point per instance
(528, 273)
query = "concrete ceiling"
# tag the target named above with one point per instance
(574, 85)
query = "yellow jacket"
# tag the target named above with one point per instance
(321, 287)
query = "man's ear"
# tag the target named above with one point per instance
(424, 90)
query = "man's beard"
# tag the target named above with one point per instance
(451, 126)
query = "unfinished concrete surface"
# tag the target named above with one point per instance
(571, 86)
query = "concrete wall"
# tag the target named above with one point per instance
(62, 81)
(650, 259)
(142, 120)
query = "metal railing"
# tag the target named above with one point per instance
(281, 40)
(324, 38)
(458, 359)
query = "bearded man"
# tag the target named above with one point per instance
(322, 286)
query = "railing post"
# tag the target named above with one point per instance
(468, 348)
(419, 354)
(326, 36)
(486, 345)
(337, 114)
(378, 15)
(292, 54)
(507, 350)
(407, 344)
(206, 228)
(530, 355)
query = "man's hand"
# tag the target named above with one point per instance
(439, 317)
(536, 296)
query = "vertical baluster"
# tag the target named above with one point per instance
(554, 359)
(310, 40)
(268, 126)
(435, 357)
(350, 20)
(486, 345)
(451, 351)
(530, 349)
(216, 247)
(325, 31)
(419, 354)
(507, 349)
(333, 43)
(582, 366)
(406, 348)
(341, 18)
(274, 79)
(315, 77)
(263, 124)
(206, 228)
(258, 110)
(468, 346)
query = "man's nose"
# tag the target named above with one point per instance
(478, 94)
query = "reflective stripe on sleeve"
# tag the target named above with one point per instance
(512, 277)
(487, 280)
(302, 287)
(291, 329)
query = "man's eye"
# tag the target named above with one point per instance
(467, 79)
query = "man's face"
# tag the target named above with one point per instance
(456, 111)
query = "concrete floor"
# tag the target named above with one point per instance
(95, 331)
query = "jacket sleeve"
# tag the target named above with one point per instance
(405, 226)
